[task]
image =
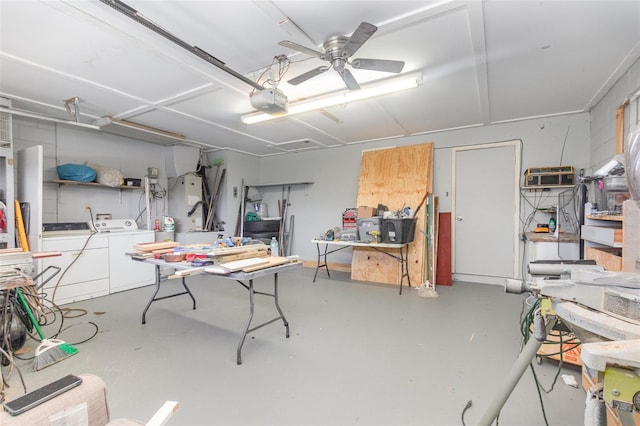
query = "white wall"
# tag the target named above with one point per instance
(63, 144)
(240, 168)
(603, 117)
(335, 172)
(317, 207)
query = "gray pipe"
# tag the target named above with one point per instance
(517, 370)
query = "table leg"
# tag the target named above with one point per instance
(157, 283)
(324, 265)
(275, 299)
(248, 328)
(404, 266)
(155, 293)
(184, 284)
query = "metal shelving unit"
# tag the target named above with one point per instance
(285, 233)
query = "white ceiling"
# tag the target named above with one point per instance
(482, 62)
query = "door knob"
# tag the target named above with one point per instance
(459, 218)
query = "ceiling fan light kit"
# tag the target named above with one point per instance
(371, 90)
(337, 50)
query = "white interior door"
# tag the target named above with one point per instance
(485, 212)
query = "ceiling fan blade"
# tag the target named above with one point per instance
(307, 75)
(378, 65)
(349, 80)
(301, 48)
(358, 38)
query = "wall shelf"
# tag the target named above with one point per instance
(266, 185)
(93, 184)
(545, 188)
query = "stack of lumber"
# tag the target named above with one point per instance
(146, 250)
(247, 258)
(218, 255)
(231, 254)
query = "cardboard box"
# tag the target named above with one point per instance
(365, 211)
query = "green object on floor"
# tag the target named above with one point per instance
(49, 351)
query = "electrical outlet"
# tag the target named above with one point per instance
(235, 192)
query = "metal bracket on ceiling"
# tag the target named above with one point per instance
(72, 105)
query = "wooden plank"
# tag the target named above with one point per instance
(252, 248)
(43, 254)
(231, 257)
(613, 218)
(609, 258)
(570, 346)
(269, 262)
(374, 266)
(443, 268)
(238, 265)
(396, 177)
(157, 245)
(620, 127)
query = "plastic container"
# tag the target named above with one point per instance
(168, 225)
(552, 225)
(398, 231)
(275, 247)
(366, 226)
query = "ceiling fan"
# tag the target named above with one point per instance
(338, 50)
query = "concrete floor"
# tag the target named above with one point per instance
(359, 354)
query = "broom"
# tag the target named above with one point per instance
(49, 351)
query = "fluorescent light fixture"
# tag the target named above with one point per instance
(139, 131)
(367, 91)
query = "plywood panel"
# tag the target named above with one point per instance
(397, 178)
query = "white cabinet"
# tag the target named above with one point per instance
(95, 266)
(550, 247)
(84, 268)
(125, 274)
